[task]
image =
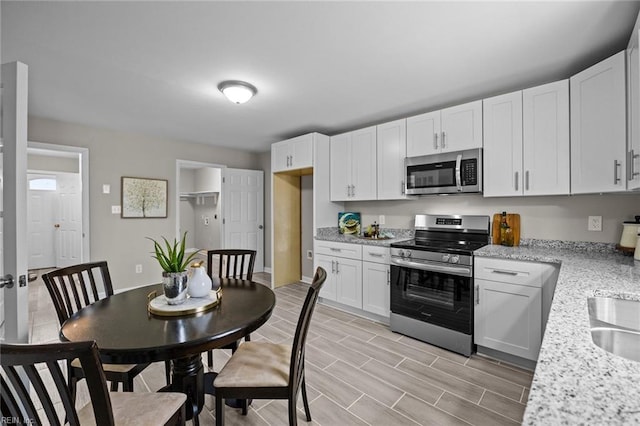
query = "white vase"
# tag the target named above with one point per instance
(199, 282)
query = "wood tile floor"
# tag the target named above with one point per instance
(358, 372)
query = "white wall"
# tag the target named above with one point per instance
(112, 154)
(552, 218)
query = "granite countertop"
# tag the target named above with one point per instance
(575, 381)
(332, 234)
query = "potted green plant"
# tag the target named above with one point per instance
(171, 258)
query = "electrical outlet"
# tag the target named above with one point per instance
(381, 219)
(206, 221)
(310, 254)
(595, 223)
(138, 269)
(115, 209)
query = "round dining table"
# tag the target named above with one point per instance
(127, 333)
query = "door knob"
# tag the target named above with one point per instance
(260, 227)
(57, 225)
(6, 281)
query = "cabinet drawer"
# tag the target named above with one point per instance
(375, 254)
(349, 251)
(508, 271)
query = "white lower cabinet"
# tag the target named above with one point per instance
(512, 299)
(357, 275)
(376, 280)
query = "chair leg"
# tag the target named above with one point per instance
(114, 386)
(293, 418)
(128, 385)
(219, 410)
(72, 380)
(210, 358)
(245, 406)
(305, 400)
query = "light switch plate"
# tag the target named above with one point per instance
(115, 209)
(381, 219)
(106, 188)
(595, 223)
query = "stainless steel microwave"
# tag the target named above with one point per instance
(447, 173)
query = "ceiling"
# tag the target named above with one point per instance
(153, 67)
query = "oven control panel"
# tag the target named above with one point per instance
(431, 256)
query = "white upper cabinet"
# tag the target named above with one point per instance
(526, 142)
(353, 165)
(451, 129)
(598, 127)
(292, 154)
(503, 145)
(391, 142)
(633, 109)
(546, 161)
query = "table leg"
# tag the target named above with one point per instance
(187, 376)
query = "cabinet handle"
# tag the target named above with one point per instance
(402, 187)
(287, 161)
(291, 160)
(353, 190)
(632, 157)
(376, 254)
(337, 270)
(477, 295)
(388, 276)
(348, 190)
(616, 164)
(333, 268)
(500, 271)
(526, 180)
(335, 249)
(516, 180)
(435, 141)
(443, 143)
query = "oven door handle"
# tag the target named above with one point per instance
(458, 172)
(433, 267)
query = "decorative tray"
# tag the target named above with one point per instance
(158, 305)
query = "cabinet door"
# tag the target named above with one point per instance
(375, 288)
(598, 127)
(340, 167)
(461, 127)
(546, 139)
(301, 152)
(633, 112)
(508, 318)
(391, 142)
(503, 145)
(363, 164)
(328, 290)
(423, 134)
(349, 282)
(280, 156)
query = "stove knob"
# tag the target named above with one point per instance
(408, 253)
(401, 253)
(455, 259)
(445, 257)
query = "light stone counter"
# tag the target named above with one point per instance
(332, 234)
(575, 381)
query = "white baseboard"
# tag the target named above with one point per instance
(306, 280)
(267, 270)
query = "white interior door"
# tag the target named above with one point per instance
(40, 223)
(68, 223)
(243, 211)
(14, 169)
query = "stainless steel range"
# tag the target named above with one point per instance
(432, 280)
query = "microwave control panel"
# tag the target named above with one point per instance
(469, 172)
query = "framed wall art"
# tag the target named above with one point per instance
(143, 198)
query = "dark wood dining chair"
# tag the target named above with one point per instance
(34, 391)
(232, 263)
(71, 289)
(264, 370)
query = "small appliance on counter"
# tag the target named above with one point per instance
(629, 238)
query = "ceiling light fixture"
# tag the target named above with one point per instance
(236, 91)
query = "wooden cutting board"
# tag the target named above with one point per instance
(513, 220)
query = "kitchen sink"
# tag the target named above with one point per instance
(615, 325)
(616, 312)
(624, 343)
